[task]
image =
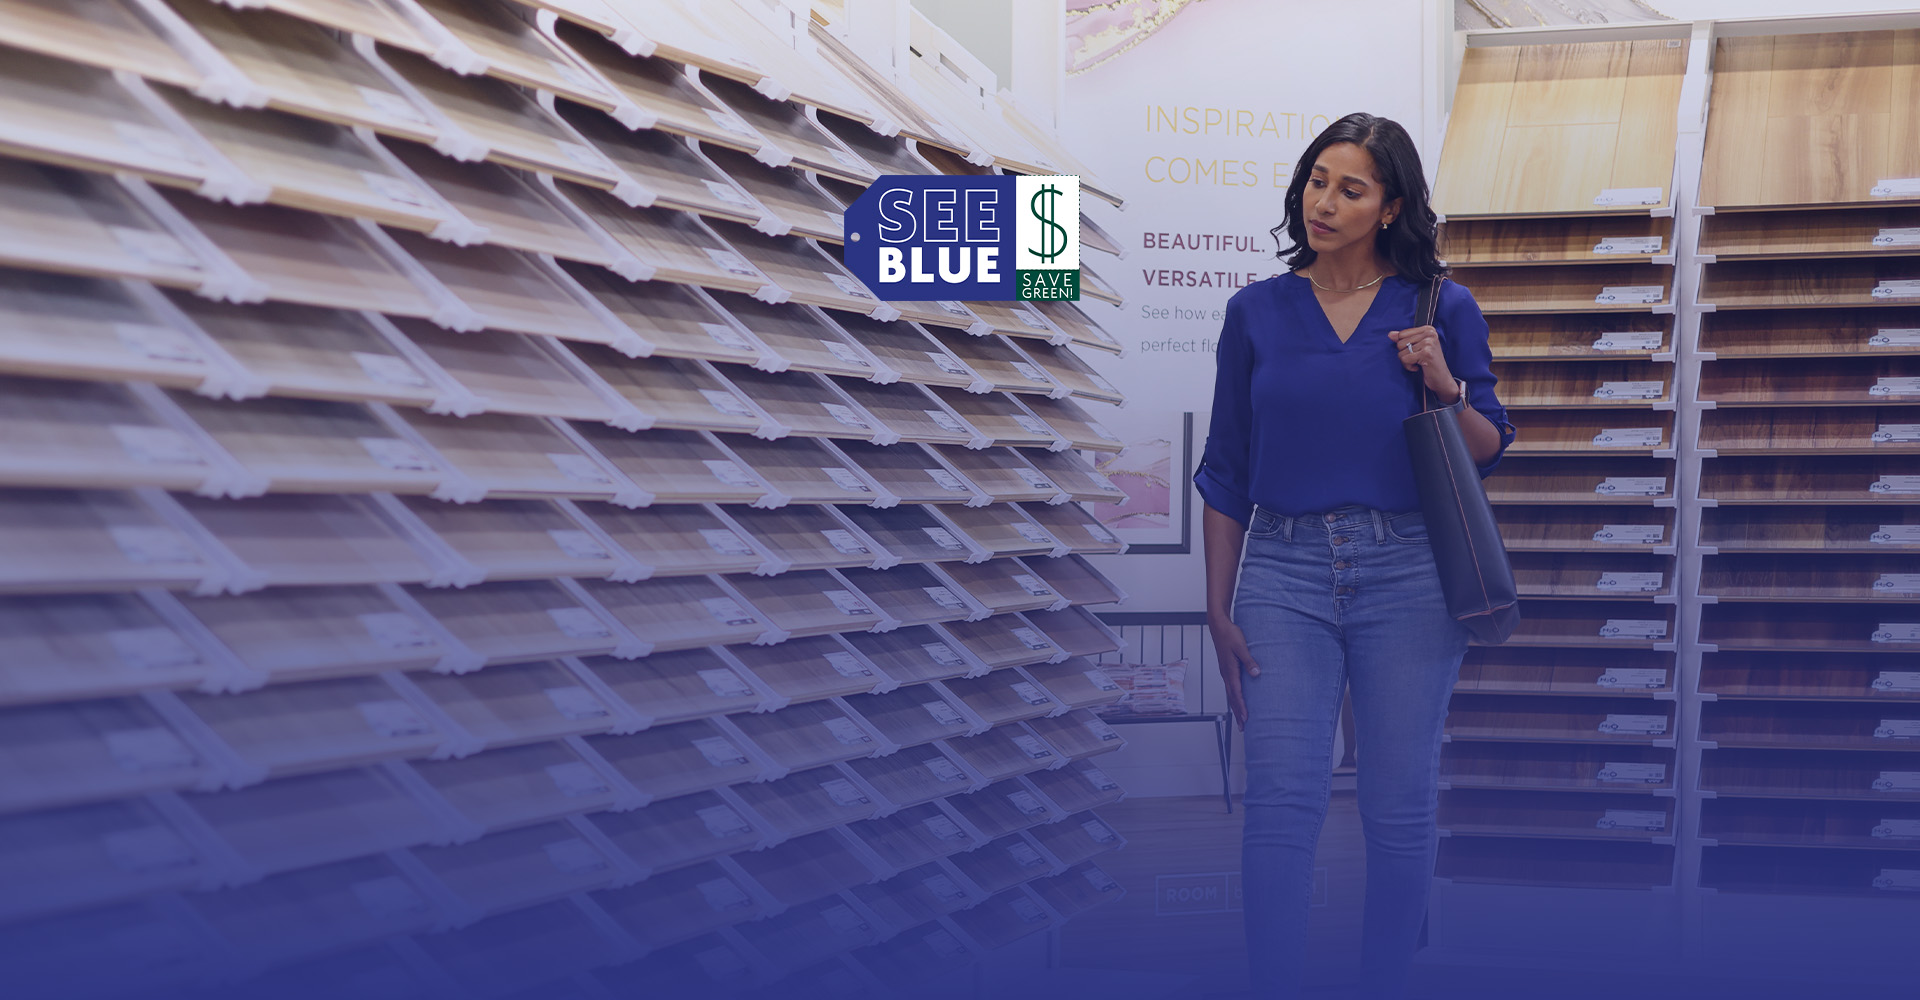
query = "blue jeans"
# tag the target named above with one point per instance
(1347, 599)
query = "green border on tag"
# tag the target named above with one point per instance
(1048, 285)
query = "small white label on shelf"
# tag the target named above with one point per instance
(1629, 340)
(943, 654)
(1628, 437)
(1632, 819)
(1892, 337)
(1032, 425)
(393, 718)
(1902, 237)
(1030, 373)
(1895, 484)
(1031, 639)
(1895, 433)
(845, 416)
(577, 467)
(395, 629)
(847, 285)
(845, 479)
(1642, 725)
(1633, 772)
(1032, 533)
(847, 731)
(1031, 322)
(722, 822)
(1027, 910)
(575, 779)
(725, 542)
(1897, 632)
(727, 611)
(1897, 829)
(577, 543)
(945, 944)
(1896, 534)
(1630, 390)
(946, 362)
(147, 849)
(844, 921)
(1897, 583)
(1099, 727)
(1027, 803)
(391, 105)
(719, 752)
(1898, 880)
(1100, 680)
(952, 484)
(1032, 746)
(1024, 855)
(157, 445)
(1035, 479)
(846, 664)
(152, 544)
(952, 308)
(580, 153)
(1897, 729)
(943, 888)
(1030, 694)
(729, 122)
(389, 370)
(732, 263)
(1645, 583)
(395, 454)
(1611, 197)
(850, 162)
(723, 682)
(1896, 187)
(844, 792)
(1896, 680)
(1633, 628)
(730, 473)
(1630, 534)
(945, 598)
(847, 354)
(1632, 677)
(1629, 294)
(943, 828)
(721, 964)
(1897, 781)
(943, 713)
(1031, 585)
(578, 624)
(154, 247)
(944, 770)
(729, 194)
(1635, 486)
(723, 895)
(1099, 880)
(1894, 387)
(576, 702)
(157, 343)
(727, 403)
(388, 897)
(573, 856)
(946, 422)
(152, 749)
(848, 603)
(726, 336)
(843, 541)
(156, 647)
(944, 538)
(1903, 289)
(393, 188)
(154, 141)
(1100, 832)
(1627, 245)
(1100, 532)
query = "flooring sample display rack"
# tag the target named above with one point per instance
(465, 530)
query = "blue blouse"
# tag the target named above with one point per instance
(1303, 423)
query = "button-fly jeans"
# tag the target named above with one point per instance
(1328, 602)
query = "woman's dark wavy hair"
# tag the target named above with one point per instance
(1410, 242)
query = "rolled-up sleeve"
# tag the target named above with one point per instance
(1464, 341)
(1223, 475)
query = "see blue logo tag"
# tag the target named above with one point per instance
(982, 239)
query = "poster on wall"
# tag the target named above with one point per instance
(1156, 518)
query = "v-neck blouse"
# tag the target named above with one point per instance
(1304, 422)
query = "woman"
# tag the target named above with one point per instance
(1306, 467)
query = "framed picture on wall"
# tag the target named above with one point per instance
(1152, 470)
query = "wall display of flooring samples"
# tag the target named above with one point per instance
(463, 510)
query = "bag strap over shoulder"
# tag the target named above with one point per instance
(1423, 312)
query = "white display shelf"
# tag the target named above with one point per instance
(1078, 734)
(914, 594)
(682, 758)
(1073, 526)
(57, 219)
(1002, 752)
(68, 859)
(812, 734)
(682, 613)
(59, 648)
(917, 416)
(810, 669)
(520, 786)
(805, 537)
(806, 472)
(1076, 630)
(66, 326)
(677, 467)
(1002, 586)
(810, 801)
(1005, 641)
(915, 775)
(509, 46)
(667, 173)
(806, 868)
(282, 349)
(521, 703)
(677, 393)
(310, 633)
(665, 688)
(805, 338)
(1001, 475)
(921, 534)
(499, 456)
(813, 602)
(1075, 683)
(316, 539)
(101, 540)
(311, 726)
(920, 713)
(912, 837)
(93, 751)
(81, 116)
(517, 621)
(515, 869)
(1078, 786)
(1000, 531)
(294, 823)
(809, 405)
(680, 832)
(796, 208)
(915, 653)
(104, 435)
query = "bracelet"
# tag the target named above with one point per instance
(1459, 404)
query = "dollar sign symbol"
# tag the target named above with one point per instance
(1051, 246)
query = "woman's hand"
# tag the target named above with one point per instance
(1420, 348)
(1230, 649)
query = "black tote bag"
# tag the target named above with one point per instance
(1475, 575)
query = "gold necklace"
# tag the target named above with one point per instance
(1317, 284)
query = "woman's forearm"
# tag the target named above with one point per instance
(1221, 538)
(1483, 439)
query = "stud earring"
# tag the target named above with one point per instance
(1384, 225)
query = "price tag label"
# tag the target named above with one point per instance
(1024, 855)
(730, 122)
(577, 543)
(157, 343)
(846, 664)
(846, 353)
(1897, 781)
(1099, 679)
(726, 336)
(1645, 583)
(843, 541)
(1030, 694)
(1903, 289)
(1613, 197)
(573, 856)
(1896, 187)
(1903, 681)
(943, 828)
(719, 752)
(395, 629)
(945, 598)
(1031, 639)
(1100, 532)
(1894, 387)
(945, 944)
(1030, 373)
(395, 454)
(1632, 677)
(1902, 433)
(1099, 728)
(1633, 772)
(727, 611)
(1032, 746)
(1633, 628)
(1897, 729)
(1627, 245)
(577, 467)
(1629, 340)
(946, 422)
(844, 792)
(152, 544)
(154, 247)
(149, 749)
(724, 683)
(1897, 632)
(153, 648)
(576, 703)
(943, 713)
(845, 416)
(1895, 484)
(845, 479)
(1629, 295)
(943, 888)
(1630, 390)
(1032, 425)
(1099, 880)
(722, 822)
(729, 194)
(579, 623)
(1896, 534)
(576, 780)
(1635, 486)
(1031, 585)
(389, 370)
(847, 285)
(1035, 478)
(1027, 803)
(944, 770)
(727, 403)
(1099, 779)
(157, 445)
(147, 849)
(844, 921)
(1032, 532)
(393, 718)
(944, 538)
(722, 895)
(1897, 583)
(953, 308)
(1897, 829)
(848, 603)
(725, 542)
(729, 473)
(952, 484)
(388, 898)
(1628, 437)
(1100, 832)
(1027, 910)
(1632, 819)
(943, 654)
(947, 362)
(391, 105)
(1638, 725)
(1902, 237)
(1898, 880)
(1630, 534)
(1901, 337)
(732, 263)
(847, 732)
